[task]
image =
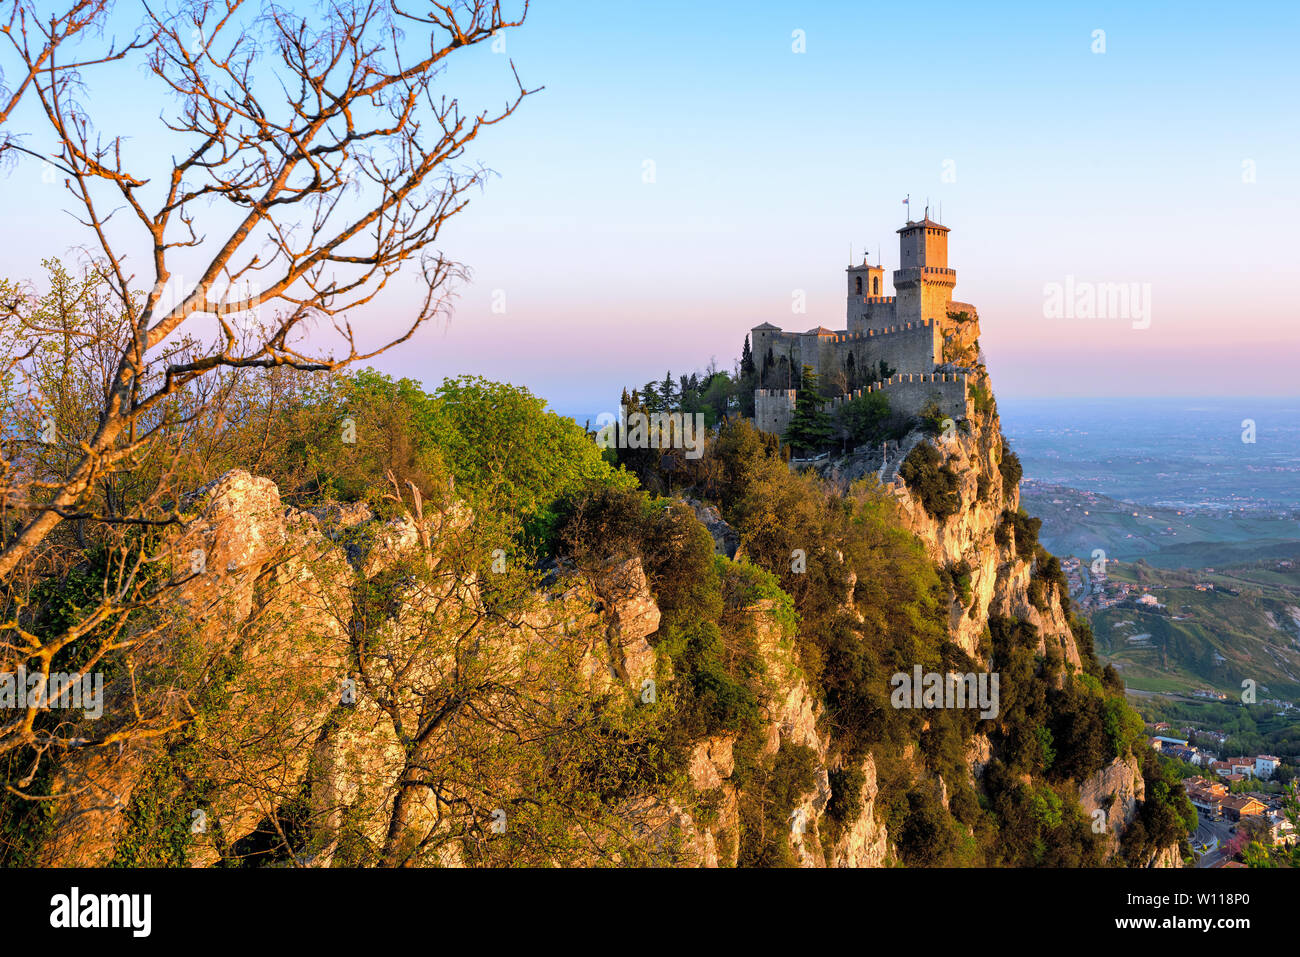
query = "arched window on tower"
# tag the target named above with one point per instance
(859, 285)
(875, 285)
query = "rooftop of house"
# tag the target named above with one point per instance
(1241, 802)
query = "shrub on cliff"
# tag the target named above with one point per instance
(932, 481)
(933, 418)
(926, 837)
(770, 789)
(1019, 528)
(1010, 467)
(1164, 817)
(1048, 572)
(703, 632)
(958, 577)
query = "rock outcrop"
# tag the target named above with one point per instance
(1110, 799)
(330, 651)
(267, 594)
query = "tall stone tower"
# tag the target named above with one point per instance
(923, 282)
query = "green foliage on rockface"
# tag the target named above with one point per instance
(932, 481)
(827, 582)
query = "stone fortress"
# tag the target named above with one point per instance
(917, 346)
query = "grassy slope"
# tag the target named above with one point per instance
(1246, 628)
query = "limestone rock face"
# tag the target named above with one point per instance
(999, 577)
(793, 712)
(633, 617)
(711, 762)
(266, 593)
(717, 843)
(1167, 857)
(219, 559)
(1115, 791)
(725, 538)
(864, 843)
(338, 517)
(979, 751)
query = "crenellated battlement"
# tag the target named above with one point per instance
(916, 378)
(887, 331)
(909, 394)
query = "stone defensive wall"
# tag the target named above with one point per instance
(909, 394)
(932, 273)
(912, 346)
(887, 331)
(909, 347)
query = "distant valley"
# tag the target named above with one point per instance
(1077, 522)
(1199, 531)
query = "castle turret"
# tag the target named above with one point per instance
(868, 306)
(923, 282)
(866, 280)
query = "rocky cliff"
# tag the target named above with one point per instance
(313, 665)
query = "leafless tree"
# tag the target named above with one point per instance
(36, 33)
(327, 161)
(316, 157)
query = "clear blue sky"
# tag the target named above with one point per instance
(1125, 166)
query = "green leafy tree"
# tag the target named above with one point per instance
(747, 379)
(715, 397)
(513, 455)
(865, 418)
(810, 427)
